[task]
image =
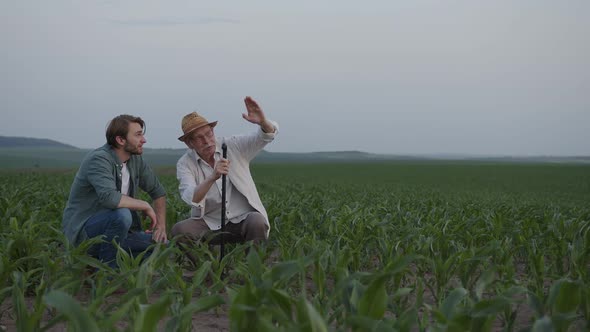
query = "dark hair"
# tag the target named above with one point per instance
(119, 126)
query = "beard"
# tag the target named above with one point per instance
(134, 150)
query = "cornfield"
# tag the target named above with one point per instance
(353, 247)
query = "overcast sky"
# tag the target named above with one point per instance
(401, 77)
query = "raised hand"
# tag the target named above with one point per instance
(255, 113)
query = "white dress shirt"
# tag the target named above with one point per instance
(241, 194)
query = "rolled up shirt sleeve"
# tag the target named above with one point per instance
(249, 145)
(269, 137)
(188, 182)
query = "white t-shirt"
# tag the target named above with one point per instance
(124, 179)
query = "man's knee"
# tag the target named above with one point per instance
(256, 227)
(188, 229)
(122, 218)
(178, 229)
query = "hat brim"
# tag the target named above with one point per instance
(183, 137)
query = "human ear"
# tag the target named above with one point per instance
(120, 140)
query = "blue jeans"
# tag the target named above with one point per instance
(115, 224)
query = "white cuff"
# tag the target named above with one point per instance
(197, 210)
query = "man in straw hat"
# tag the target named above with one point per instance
(199, 172)
(102, 199)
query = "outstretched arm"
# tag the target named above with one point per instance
(256, 115)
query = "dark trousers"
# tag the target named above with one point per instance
(114, 225)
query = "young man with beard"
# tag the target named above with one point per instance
(199, 173)
(102, 199)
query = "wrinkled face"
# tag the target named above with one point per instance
(135, 139)
(202, 141)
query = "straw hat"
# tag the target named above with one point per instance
(192, 122)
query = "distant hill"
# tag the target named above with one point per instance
(70, 157)
(170, 157)
(23, 153)
(330, 156)
(27, 142)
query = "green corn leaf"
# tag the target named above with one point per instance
(565, 296)
(463, 322)
(255, 265)
(204, 304)
(355, 296)
(535, 303)
(201, 273)
(400, 264)
(374, 301)
(116, 315)
(231, 293)
(243, 306)
(23, 322)
(283, 271)
(91, 261)
(483, 282)
(309, 316)
(79, 319)
(407, 320)
(182, 320)
(490, 307)
(543, 325)
(451, 302)
(282, 299)
(364, 323)
(562, 321)
(438, 315)
(514, 291)
(150, 314)
(401, 292)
